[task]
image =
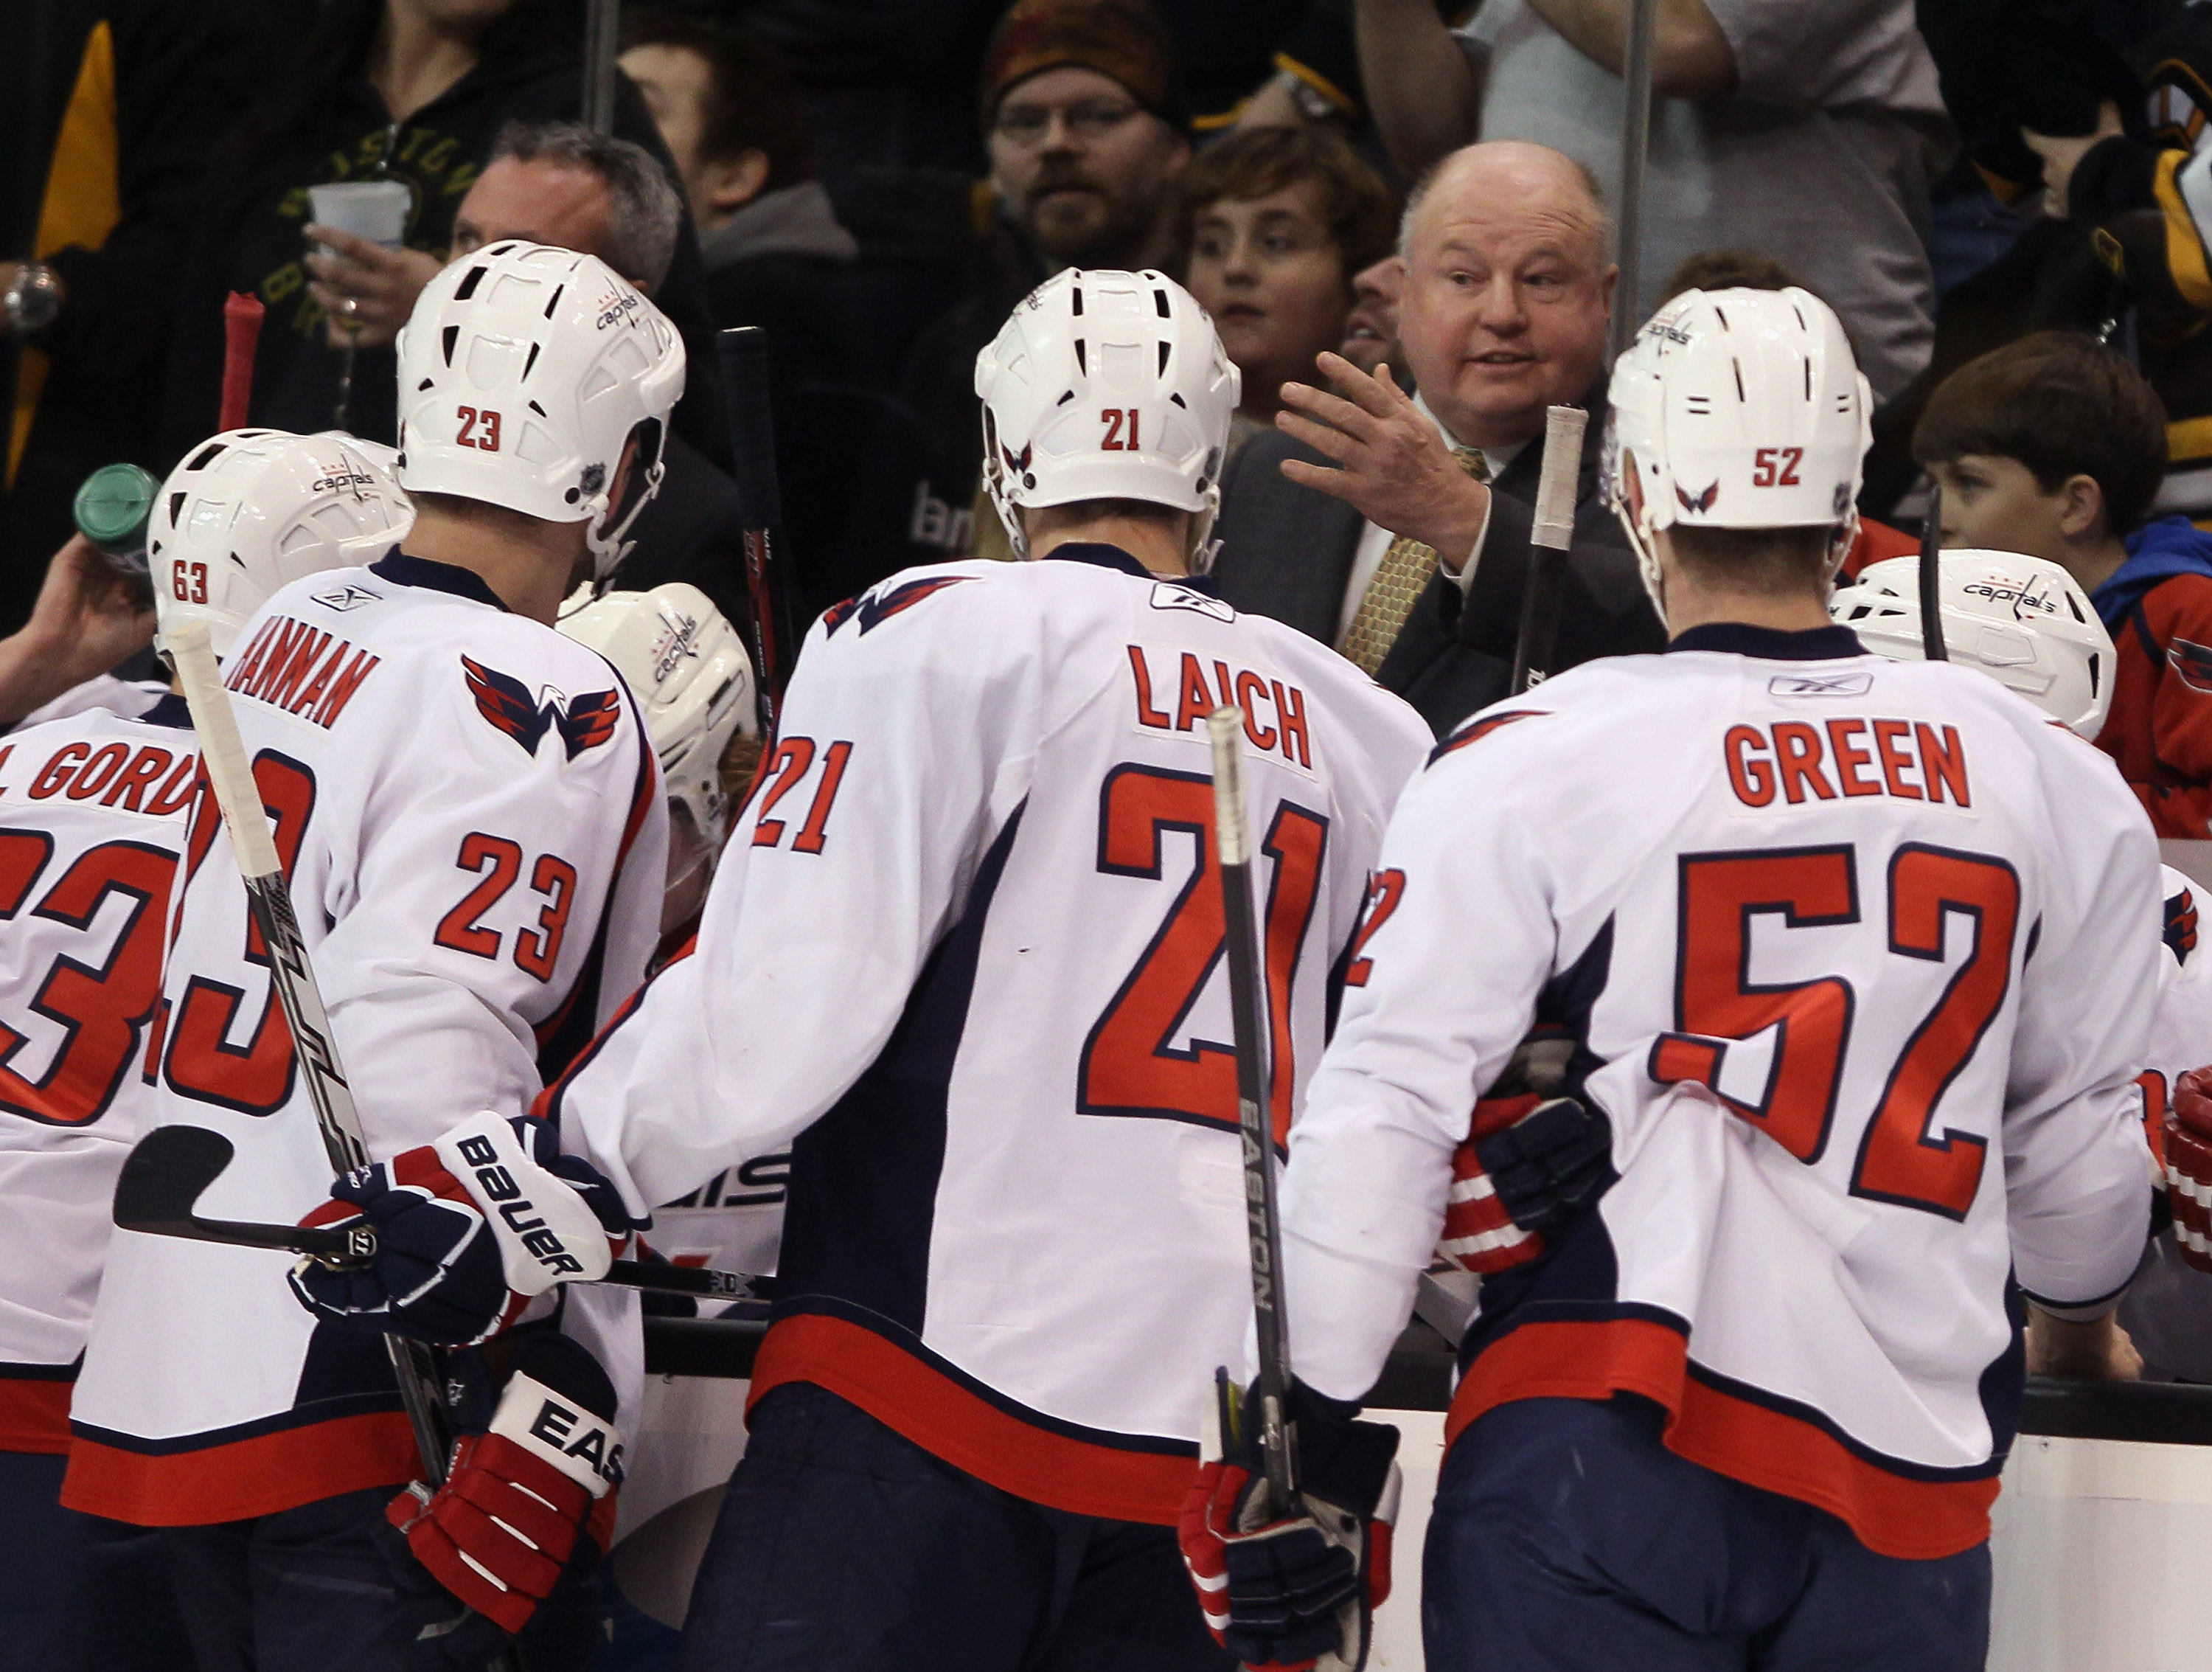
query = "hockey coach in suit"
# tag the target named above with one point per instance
(1395, 526)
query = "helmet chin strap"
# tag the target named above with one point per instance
(1642, 540)
(608, 548)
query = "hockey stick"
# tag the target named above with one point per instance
(241, 333)
(222, 759)
(1931, 579)
(1543, 589)
(602, 42)
(1263, 1222)
(1635, 148)
(167, 1170)
(743, 353)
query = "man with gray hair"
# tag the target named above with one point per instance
(1396, 526)
(561, 183)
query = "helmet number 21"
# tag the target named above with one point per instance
(1119, 438)
(485, 426)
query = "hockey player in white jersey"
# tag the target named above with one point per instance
(92, 819)
(471, 824)
(966, 947)
(1852, 950)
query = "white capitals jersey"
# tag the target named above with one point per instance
(1855, 953)
(473, 829)
(92, 819)
(966, 945)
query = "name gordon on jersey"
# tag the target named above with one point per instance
(300, 670)
(1796, 761)
(1173, 696)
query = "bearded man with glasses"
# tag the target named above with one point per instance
(1084, 121)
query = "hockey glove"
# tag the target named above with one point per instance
(1296, 1586)
(499, 1531)
(468, 1229)
(1527, 1163)
(2189, 1165)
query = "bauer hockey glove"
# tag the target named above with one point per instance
(517, 1500)
(1296, 1586)
(2189, 1165)
(1526, 1165)
(469, 1230)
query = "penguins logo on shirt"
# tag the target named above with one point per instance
(582, 722)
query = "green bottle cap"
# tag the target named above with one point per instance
(112, 506)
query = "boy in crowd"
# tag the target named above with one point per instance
(2054, 445)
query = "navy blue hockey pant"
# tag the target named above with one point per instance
(844, 1547)
(1567, 1538)
(78, 1594)
(329, 1587)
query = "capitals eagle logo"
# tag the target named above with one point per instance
(874, 608)
(583, 722)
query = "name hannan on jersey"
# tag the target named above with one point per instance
(301, 670)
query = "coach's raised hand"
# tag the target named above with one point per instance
(469, 1230)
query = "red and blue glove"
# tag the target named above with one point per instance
(517, 1500)
(1287, 1587)
(1526, 1165)
(469, 1230)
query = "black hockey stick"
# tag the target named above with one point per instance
(1931, 579)
(171, 1167)
(1262, 1219)
(743, 353)
(1543, 589)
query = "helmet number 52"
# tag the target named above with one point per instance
(485, 426)
(1770, 467)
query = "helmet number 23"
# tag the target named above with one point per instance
(478, 429)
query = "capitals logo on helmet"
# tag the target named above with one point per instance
(250, 511)
(1736, 409)
(2023, 621)
(524, 372)
(1106, 385)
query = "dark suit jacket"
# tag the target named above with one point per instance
(1287, 552)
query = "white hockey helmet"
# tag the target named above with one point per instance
(1739, 408)
(1106, 385)
(523, 370)
(687, 668)
(252, 510)
(2023, 621)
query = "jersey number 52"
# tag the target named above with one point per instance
(1932, 890)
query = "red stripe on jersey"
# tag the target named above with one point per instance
(34, 1415)
(234, 1481)
(1891, 1513)
(949, 1422)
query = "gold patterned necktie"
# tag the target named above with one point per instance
(1399, 580)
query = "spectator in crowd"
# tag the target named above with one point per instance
(1397, 528)
(1371, 329)
(1083, 122)
(2054, 446)
(410, 90)
(1272, 223)
(1798, 125)
(108, 113)
(735, 123)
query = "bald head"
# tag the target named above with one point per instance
(1507, 288)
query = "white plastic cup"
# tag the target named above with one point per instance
(374, 209)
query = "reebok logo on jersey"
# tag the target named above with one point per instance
(301, 670)
(877, 605)
(1167, 595)
(348, 597)
(583, 722)
(1820, 685)
(1179, 700)
(498, 1185)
